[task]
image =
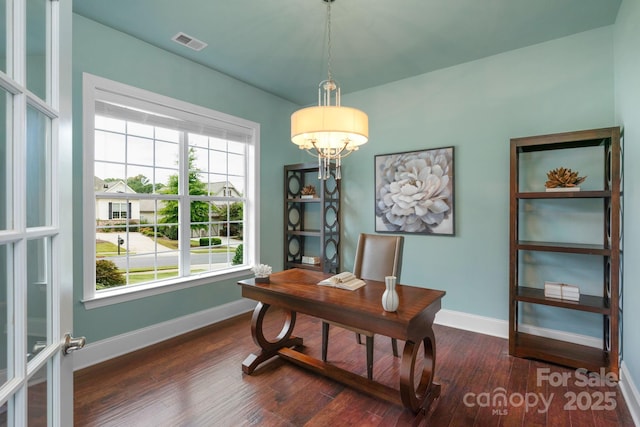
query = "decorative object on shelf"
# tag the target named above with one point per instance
(329, 131)
(308, 192)
(561, 291)
(563, 179)
(311, 260)
(390, 299)
(414, 192)
(262, 273)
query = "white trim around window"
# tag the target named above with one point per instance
(111, 99)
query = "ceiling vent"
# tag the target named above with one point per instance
(188, 41)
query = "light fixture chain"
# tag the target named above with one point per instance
(329, 40)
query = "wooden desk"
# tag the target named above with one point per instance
(296, 290)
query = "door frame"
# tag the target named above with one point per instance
(56, 231)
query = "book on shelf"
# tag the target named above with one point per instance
(311, 260)
(561, 291)
(345, 280)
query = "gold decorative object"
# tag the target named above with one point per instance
(308, 190)
(563, 178)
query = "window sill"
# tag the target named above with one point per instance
(117, 296)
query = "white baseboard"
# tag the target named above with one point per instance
(500, 328)
(630, 393)
(473, 323)
(119, 345)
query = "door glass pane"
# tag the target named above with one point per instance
(37, 47)
(5, 170)
(4, 312)
(38, 290)
(37, 398)
(3, 35)
(38, 180)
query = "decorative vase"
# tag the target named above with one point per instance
(390, 299)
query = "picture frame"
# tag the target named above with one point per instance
(414, 192)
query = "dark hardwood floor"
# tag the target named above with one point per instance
(197, 380)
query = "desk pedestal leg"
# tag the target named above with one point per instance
(269, 348)
(418, 399)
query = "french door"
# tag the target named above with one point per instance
(36, 380)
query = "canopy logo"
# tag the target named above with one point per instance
(500, 401)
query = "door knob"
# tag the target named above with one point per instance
(72, 344)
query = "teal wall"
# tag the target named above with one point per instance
(111, 54)
(562, 85)
(627, 91)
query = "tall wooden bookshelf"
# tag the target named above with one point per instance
(606, 303)
(311, 224)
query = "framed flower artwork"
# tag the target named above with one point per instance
(414, 192)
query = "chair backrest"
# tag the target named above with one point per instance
(378, 256)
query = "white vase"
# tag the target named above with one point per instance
(390, 299)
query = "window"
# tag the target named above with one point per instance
(172, 189)
(119, 210)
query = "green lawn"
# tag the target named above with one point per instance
(105, 248)
(147, 276)
(216, 250)
(146, 269)
(173, 244)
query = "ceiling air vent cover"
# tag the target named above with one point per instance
(188, 41)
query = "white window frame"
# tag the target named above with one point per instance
(95, 88)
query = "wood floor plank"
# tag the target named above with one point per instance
(516, 389)
(556, 391)
(197, 380)
(452, 374)
(536, 397)
(483, 367)
(489, 413)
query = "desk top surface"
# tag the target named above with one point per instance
(297, 289)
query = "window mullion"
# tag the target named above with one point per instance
(184, 207)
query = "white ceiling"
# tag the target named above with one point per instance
(280, 45)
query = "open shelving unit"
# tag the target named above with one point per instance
(311, 225)
(607, 302)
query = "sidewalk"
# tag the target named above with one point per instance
(140, 243)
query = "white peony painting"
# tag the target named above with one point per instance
(414, 192)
